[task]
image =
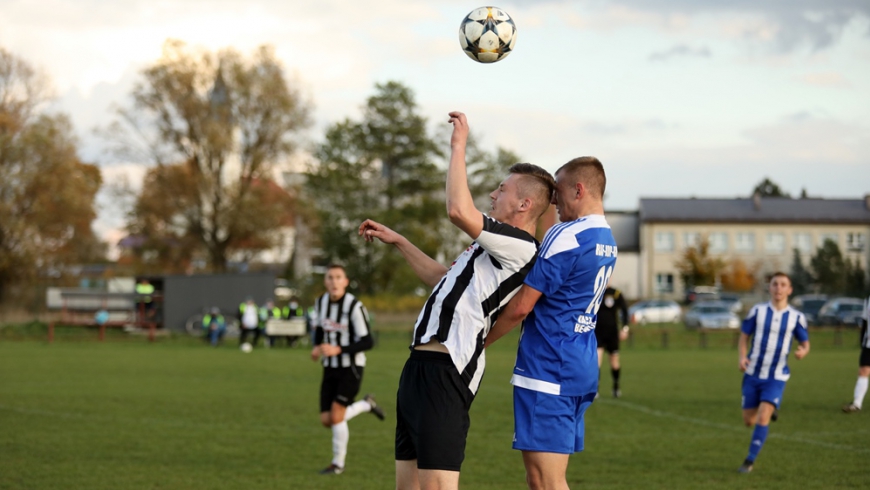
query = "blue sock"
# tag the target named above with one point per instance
(759, 435)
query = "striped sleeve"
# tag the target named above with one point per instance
(359, 318)
(748, 325)
(800, 329)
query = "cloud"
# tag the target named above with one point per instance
(826, 80)
(680, 50)
(785, 26)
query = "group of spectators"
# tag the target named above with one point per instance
(252, 319)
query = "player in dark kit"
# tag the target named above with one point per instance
(608, 334)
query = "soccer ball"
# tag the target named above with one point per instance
(246, 347)
(487, 34)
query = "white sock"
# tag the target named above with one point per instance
(860, 390)
(357, 408)
(340, 436)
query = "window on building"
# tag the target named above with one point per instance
(834, 237)
(664, 283)
(803, 242)
(718, 242)
(664, 241)
(744, 242)
(691, 239)
(774, 243)
(855, 241)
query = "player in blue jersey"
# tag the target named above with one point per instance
(771, 326)
(556, 374)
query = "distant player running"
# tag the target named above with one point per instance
(341, 336)
(771, 326)
(442, 375)
(556, 374)
(863, 363)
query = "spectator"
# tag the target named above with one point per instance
(215, 326)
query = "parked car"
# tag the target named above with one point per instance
(711, 314)
(654, 311)
(841, 311)
(809, 305)
(702, 293)
(733, 301)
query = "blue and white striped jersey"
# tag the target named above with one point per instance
(558, 353)
(771, 332)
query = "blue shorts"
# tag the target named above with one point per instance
(757, 390)
(549, 423)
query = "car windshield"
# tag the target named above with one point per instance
(812, 305)
(711, 309)
(851, 307)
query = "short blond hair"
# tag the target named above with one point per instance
(587, 170)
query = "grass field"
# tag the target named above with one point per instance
(177, 414)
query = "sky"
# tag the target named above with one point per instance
(678, 98)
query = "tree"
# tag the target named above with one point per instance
(855, 279)
(697, 267)
(228, 120)
(382, 167)
(768, 188)
(46, 193)
(801, 278)
(829, 268)
(738, 277)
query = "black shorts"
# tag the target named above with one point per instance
(864, 360)
(339, 385)
(608, 339)
(432, 412)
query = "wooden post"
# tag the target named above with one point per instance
(703, 337)
(102, 331)
(151, 326)
(664, 339)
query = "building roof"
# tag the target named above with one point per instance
(756, 210)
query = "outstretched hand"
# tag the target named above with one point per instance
(460, 128)
(372, 229)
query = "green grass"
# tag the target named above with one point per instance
(176, 414)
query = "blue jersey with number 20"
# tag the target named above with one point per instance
(558, 352)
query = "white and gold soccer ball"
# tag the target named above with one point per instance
(246, 347)
(487, 34)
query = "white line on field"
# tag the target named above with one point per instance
(728, 427)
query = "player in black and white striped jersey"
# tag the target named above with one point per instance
(863, 363)
(443, 373)
(341, 336)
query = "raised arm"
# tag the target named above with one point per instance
(516, 310)
(427, 269)
(460, 203)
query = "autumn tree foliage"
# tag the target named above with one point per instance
(47, 194)
(697, 267)
(213, 125)
(738, 276)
